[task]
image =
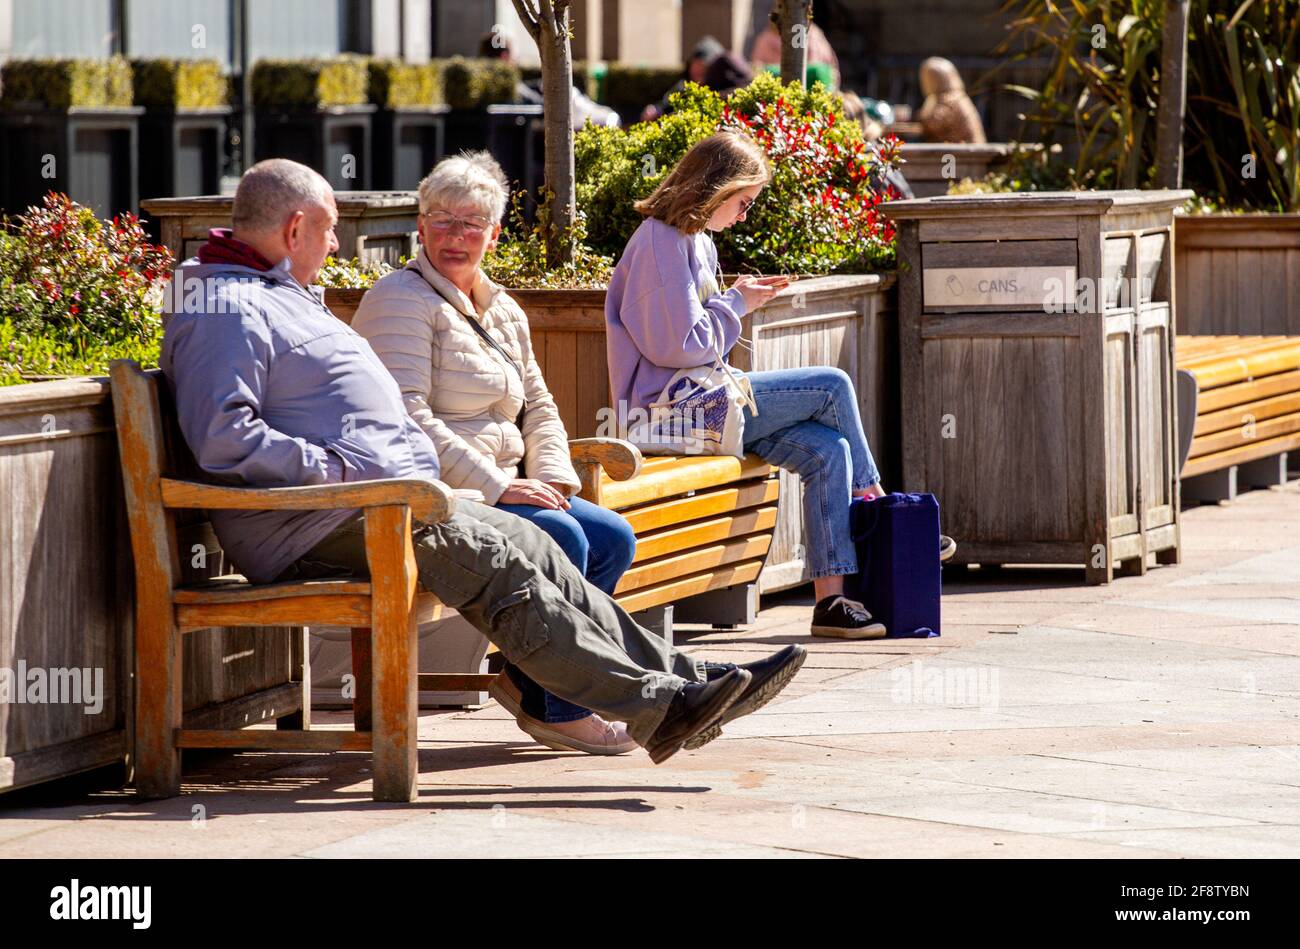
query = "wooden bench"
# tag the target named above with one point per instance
(1247, 412)
(158, 474)
(704, 525)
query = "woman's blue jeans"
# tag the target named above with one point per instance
(808, 423)
(601, 544)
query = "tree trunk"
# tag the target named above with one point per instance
(548, 22)
(1173, 95)
(791, 18)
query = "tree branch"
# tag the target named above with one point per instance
(527, 13)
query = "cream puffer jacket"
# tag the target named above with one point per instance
(461, 390)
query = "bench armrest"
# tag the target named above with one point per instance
(621, 460)
(429, 501)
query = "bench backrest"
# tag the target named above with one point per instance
(151, 447)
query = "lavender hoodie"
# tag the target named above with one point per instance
(664, 312)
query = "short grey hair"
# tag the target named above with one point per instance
(272, 190)
(472, 178)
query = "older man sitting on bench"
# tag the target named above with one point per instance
(273, 391)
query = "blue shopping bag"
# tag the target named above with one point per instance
(899, 577)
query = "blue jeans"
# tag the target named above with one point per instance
(808, 423)
(600, 543)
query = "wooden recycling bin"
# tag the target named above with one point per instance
(373, 225)
(1036, 347)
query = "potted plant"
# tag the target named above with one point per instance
(410, 126)
(65, 120)
(183, 131)
(317, 112)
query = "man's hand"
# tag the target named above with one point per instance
(534, 492)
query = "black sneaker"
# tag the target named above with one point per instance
(947, 547)
(838, 617)
(770, 675)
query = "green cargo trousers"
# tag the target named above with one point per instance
(516, 586)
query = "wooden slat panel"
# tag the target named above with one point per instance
(694, 561)
(1210, 422)
(1260, 448)
(235, 589)
(1245, 434)
(990, 438)
(1240, 393)
(670, 592)
(270, 740)
(673, 476)
(1053, 466)
(702, 533)
(681, 510)
(349, 610)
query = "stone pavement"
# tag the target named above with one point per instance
(1159, 716)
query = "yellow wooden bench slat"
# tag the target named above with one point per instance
(1208, 423)
(1247, 365)
(694, 561)
(674, 476)
(1222, 350)
(1245, 435)
(679, 589)
(701, 533)
(1260, 448)
(1242, 393)
(704, 504)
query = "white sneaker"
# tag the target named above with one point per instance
(592, 735)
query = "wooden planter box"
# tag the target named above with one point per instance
(373, 225)
(930, 167)
(67, 592)
(182, 151)
(1238, 274)
(91, 155)
(335, 140)
(835, 321)
(1047, 432)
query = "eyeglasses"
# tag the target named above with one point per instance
(745, 205)
(473, 226)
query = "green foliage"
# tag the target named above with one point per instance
(67, 83)
(1102, 91)
(179, 83)
(519, 259)
(818, 215)
(1027, 169)
(26, 358)
(478, 83)
(630, 88)
(353, 274)
(310, 83)
(395, 84)
(68, 276)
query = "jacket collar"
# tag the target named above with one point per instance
(485, 291)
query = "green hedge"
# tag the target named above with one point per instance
(67, 83)
(395, 84)
(180, 83)
(311, 83)
(631, 88)
(583, 76)
(476, 83)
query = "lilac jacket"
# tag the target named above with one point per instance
(273, 391)
(664, 312)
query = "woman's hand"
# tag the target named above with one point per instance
(758, 290)
(534, 492)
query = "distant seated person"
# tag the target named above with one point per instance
(493, 45)
(855, 110)
(273, 391)
(697, 66)
(766, 52)
(948, 114)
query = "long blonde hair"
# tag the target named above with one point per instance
(710, 173)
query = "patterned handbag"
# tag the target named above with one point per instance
(700, 411)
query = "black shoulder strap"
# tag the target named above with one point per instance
(478, 327)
